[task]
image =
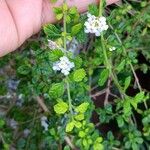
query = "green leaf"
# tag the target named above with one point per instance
(61, 107)
(78, 62)
(52, 131)
(81, 36)
(98, 146)
(85, 143)
(134, 146)
(51, 31)
(21, 143)
(79, 75)
(79, 117)
(58, 10)
(137, 99)
(127, 144)
(66, 148)
(77, 124)
(127, 110)
(24, 69)
(103, 77)
(54, 55)
(139, 140)
(143, 4)
(120, 121)
(65, 6)
(134, 104)
(121, 66)
(6, 146)
(73, 10)
(82, 134)
(93, 9)
(127, 83)
(2, 123)
(68, 19)
(56, 90)
(59, 16)
(70, 126)
(76, 29)
(99, 139)
(82, 108)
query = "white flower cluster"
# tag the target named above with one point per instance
(112, 49)
(44, 123)
(95, 25)
(64, 65)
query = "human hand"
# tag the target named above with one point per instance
(20, 19)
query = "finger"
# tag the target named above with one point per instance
(23, 18)
(48, 15)
(8, 36)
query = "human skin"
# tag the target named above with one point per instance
(20, 19)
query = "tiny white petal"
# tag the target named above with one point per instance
(97, 33)
(114, 48)
(105, 27)
(65, 72)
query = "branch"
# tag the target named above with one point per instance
(69, 142)
(98, 93)
(42, 104)
(107, 92)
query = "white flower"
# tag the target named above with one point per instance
(95, 25)
(44, 123)
(112, 49)
(64, 65)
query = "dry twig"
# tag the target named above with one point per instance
(42, 104)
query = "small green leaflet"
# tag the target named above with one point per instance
(76, 29)
(61, 107)
(103, 77)
(51, 31)
(121, 66)
(56, 90)
(127, 83)
(79, 75)
(82, 108)
(70, 126)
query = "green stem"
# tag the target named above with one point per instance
(69, 97)
(2, 138)
(107, 63)
(109, 67)
(130, 63)
(65, 48)
(101, 7)
(65, 30)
